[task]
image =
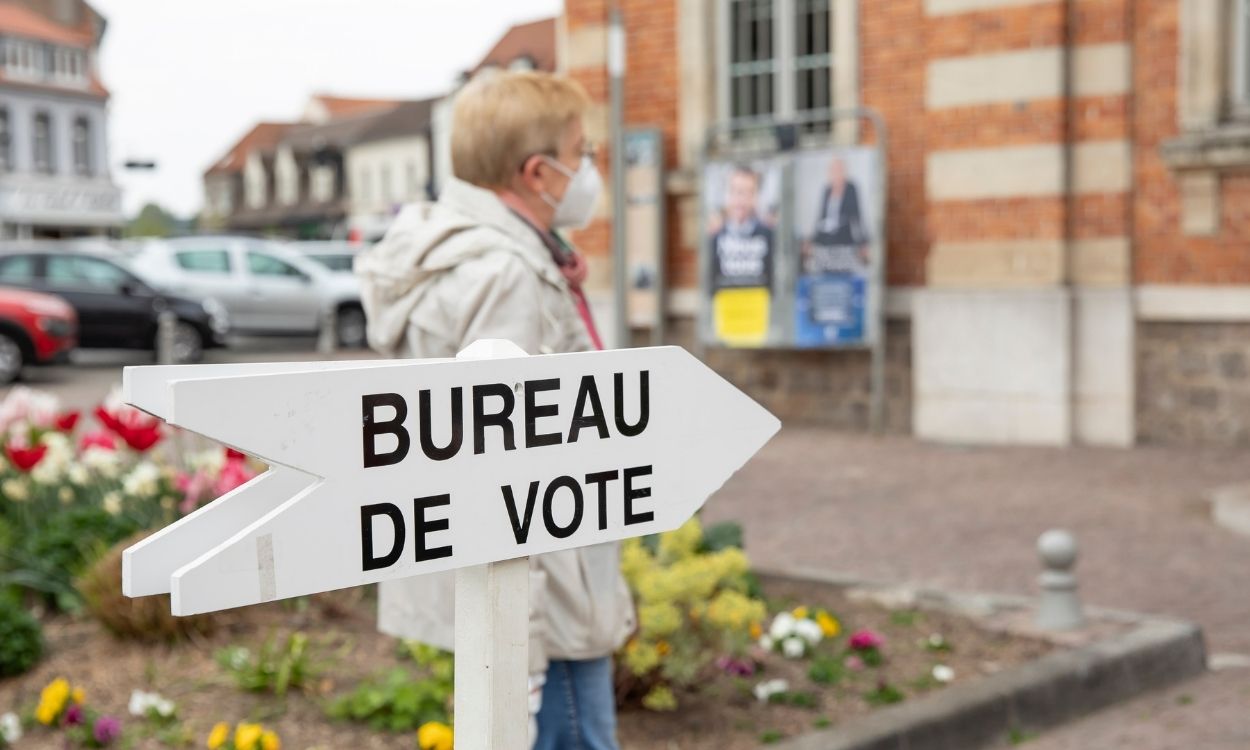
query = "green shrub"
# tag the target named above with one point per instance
(274, 669)
(397, 701)
(21, 639)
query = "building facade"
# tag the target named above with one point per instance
(1068, 208)
(54, 167)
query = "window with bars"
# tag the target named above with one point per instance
(82, 147)
(43, 151)
(6, 142)
(778, 62)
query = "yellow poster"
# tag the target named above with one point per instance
(740, 316)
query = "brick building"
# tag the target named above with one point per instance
(1068, 211)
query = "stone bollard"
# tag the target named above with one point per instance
(1059, 607)
(166, 335)
(328, 339)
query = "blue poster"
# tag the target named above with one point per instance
(829, 309)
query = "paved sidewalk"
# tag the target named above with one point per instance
(897, 510)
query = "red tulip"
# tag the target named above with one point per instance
(142, 438)
(67, 421)
(25, 459)
(137, 429)
(233, 455)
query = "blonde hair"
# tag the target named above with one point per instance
(501, 119)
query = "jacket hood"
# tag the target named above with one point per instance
(428, 239)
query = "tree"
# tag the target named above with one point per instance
(152, 221)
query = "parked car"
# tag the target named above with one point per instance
(266, 287)
(35, 329)
(116, 308)
(336, 255)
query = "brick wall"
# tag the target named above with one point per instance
(1194, 383)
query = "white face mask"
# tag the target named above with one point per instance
(577, 207)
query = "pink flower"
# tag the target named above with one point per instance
(854, 663)
(866, 640)
(73, 715)
(234, 474)
(735, 667)
(97, 439)
(194, 488)
(107, 729)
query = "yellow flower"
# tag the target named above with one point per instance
(78, 696)
(829, 624)
(800, 613)
(757, 630)
(246, 736)
(52, 701)
(218, 736)
(269, 741)
(662, 648)
(435, 735)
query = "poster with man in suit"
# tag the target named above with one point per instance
(837, 249)
(741, 248)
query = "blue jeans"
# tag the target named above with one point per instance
(579, 707)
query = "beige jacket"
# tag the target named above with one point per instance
(447, 274)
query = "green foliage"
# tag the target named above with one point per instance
(822, 722)
(21, 639)
(826, 670)
(48, 555)
(397, 701)
(904, 618)
(884, 695)
(275, 669)
(871, 656)
(771, 736)
(1017, 736)
(724, 535)
(797, 699)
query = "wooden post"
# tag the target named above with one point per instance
(492, 656)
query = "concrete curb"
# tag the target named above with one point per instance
(1057, 688)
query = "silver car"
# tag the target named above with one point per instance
(265, 287)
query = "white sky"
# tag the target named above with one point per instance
(188, 77)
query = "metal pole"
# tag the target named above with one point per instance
(616, 74)
(166, 330)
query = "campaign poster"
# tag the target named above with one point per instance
(835, 227)
(741, 212)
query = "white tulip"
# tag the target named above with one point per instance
(943, 673)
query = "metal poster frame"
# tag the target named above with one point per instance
(781, 139)
(659, 327)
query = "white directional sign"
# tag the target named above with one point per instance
(394, 468)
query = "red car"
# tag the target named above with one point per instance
(35, 329)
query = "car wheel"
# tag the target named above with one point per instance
(350, 328)
(188, 344)
(11, 359)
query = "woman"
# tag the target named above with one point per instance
(485, 262)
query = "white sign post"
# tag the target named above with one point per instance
(394, 468)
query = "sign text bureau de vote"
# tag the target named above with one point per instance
(393, 468)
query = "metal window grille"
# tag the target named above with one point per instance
(777, 60)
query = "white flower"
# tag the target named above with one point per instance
(143, 480)
(112, 503)
(766, 642)
(211, 462)
(782, 627)
(66, 495)
(56, 461)
(937, 641)
(78, 475)
(139, 702)
(15, 490)
(102, 461)
(943, 673)
(809, 631)
(769, 688)
(10, 728)
(793, 647)
(26, 405)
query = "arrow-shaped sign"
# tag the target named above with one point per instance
(390, 469)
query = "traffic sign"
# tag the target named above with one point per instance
(394, 468)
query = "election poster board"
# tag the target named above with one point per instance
(742, 214)
(793, 249)
(839, 250)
